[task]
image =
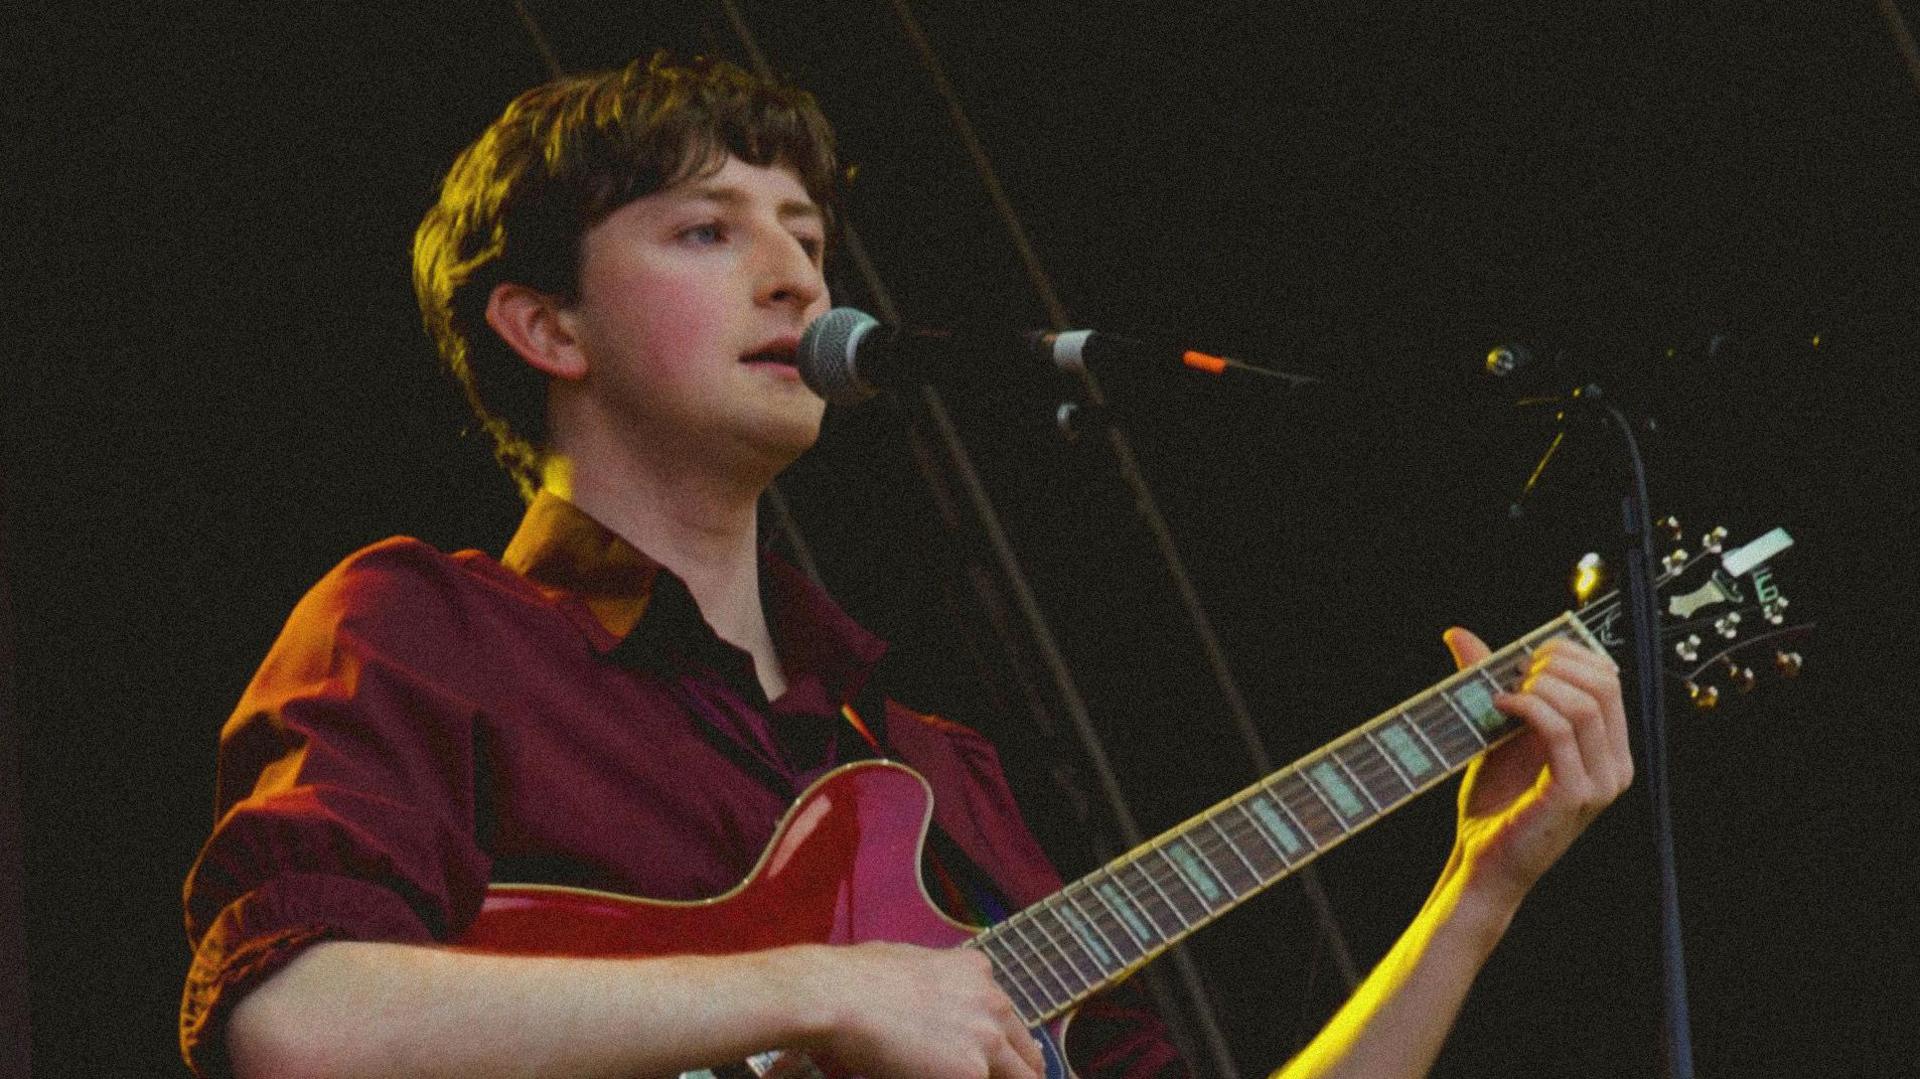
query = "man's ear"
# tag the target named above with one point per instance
(533, 324)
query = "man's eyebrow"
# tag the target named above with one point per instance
(734, 197)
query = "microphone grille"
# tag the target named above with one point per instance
(826, 355)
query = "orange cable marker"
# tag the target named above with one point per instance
(1200, 361)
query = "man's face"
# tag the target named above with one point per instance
(691, 303)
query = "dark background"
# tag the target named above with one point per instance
(216, 387)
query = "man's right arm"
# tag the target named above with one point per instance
(351, 1009)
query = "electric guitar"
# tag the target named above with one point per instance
(843, 866)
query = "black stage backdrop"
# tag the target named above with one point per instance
(216, 387)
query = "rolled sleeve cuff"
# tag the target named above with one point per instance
(264, 930)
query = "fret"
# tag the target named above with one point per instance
(1020, 950)
(1019, 925)
(1155, 891)
(1199, 868)
(1518, 665)
(1416, 763)
(1310, 811)
(1074, 944)
(1370, 775)
(1238, 833)
(1253, 875)
(1266, 840)
(1119, 899)
(1067, 946)
(1269, 808)
(1091, 939)
(1489, 722)
(1186, 923)
(1451, 737)
(1464, 718)
(1122, 934)
(1391, 763)
(1492, 681)
(1004, 975)
(1408, 719)
(1365, 791)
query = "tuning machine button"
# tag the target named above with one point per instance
(1671, 526)
(1589, 576)
(1775, 610)
(1742, 677)
(1714, 540)
(1705, 698)
(1787, 663)
(1728, 625)
(1676, 561)
(1688, 648)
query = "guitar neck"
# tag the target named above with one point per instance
(1100, 928)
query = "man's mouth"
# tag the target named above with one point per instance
(780, 352)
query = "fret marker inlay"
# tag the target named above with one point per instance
(1338, 789)
(1201, 877)
(1477, 702)
(1123, 906)
(1283, 833)
(1413, 760)
(1085, 935)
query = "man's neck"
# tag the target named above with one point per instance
(702, 528)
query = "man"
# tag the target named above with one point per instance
(618, 273)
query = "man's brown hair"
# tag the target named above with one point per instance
(561, 158)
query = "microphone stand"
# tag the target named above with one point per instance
(1644, 611)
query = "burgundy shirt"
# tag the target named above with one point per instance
(427, 723)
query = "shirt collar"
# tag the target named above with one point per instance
(607, 587)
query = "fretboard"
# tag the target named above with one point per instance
(1097, 930)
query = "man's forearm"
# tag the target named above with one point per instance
(1396, 1022)
(371, 1009)
(890, 1011)
(1521, 805)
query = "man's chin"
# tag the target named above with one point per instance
(782, 441)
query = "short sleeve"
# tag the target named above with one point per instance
(345, 806)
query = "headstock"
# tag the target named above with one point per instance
(1723, 618)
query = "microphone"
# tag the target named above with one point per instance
(848, 356)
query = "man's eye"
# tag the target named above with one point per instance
(709, 233)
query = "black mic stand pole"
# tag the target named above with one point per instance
(1643, 606)
(1643, 602)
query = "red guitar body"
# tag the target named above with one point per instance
(843, 867)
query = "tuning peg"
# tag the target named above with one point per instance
(1714, 540)
(1676, 561)
(1688, 648)
(1787, 663)
(1705, 698)
(1589, 576)
(1742, 677)
(1728, 625)
(1775, 609)
(1671, 526)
